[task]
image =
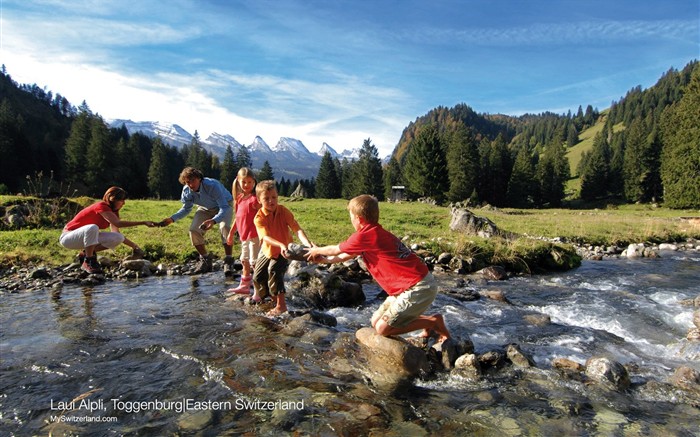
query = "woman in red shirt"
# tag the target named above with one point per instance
(83, 231)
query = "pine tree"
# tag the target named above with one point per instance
(595, 174)
(462, 164)
(521, 187)
(266, 173)
(680, 163)
(327, 181)
(368, 173)
(228, 168)
(76, 147)
(243, 158)
(425, 169)
(98, 168)
(158, 183)
(346, 176)
(392, 176)
(552, 173)
(634, 168)
(495, 174)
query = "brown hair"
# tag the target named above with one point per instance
(366, 207)
(243, 173)
(113, 195)
(265, 186)
(189, 173)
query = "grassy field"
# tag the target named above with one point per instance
(327, 222)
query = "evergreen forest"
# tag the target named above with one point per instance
(646, 150)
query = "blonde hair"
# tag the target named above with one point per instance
(243, 173)
(265, 186)
(366, 207)
(113, 195)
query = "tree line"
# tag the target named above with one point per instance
(646, 151)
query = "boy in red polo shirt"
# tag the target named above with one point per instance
(399, 271)
(273, 223)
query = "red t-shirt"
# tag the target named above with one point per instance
(245, 217)
(91, 216)
(393, 265)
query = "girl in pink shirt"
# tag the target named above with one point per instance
(246, 206)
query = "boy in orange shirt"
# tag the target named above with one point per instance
(273, 223)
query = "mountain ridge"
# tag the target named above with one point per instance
(289, 157)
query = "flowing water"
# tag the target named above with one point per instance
(168, 355)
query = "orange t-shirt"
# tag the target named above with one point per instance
(276, 225)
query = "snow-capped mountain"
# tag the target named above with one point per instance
(350, 155)
(327, 148)
(170, 133)
(289, 158)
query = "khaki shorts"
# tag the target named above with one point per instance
(250, 249)
(404, 308)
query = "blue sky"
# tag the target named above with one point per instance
(340, 71)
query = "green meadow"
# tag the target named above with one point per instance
(327, 222)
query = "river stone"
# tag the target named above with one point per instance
(634, 250)
(567, 364)
(467, 366)
(668, 246)
(392, 360)
(537, 319)
(608, 372)
(496, 273)
(693, 334)
(195, 421)
(40, 273)
(142, 266)
(444, 258)
(496, 295)
(492, 359)
(449, 350)
(518, 357)
(696, 318)
(687, 378)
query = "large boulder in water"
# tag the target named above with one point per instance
(392, 361)
(608, 372)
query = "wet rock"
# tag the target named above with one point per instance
(463, 266)
(444, 258)
(537, 319)
(496, 273)
(392, 360)
(328, 290)
(634, 251)
(464, 295)
(496, 295)
(195, 421)
(518, 357)
(467, 366)
(696, 318)
(668, 246)
(141, 266)
(40, 273)
(492, 360)
(448, 350)
(568, 365)
(315, 316)
(693, 334)
(686, 378)
(608, 372)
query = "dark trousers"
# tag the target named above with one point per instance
(268, 276)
